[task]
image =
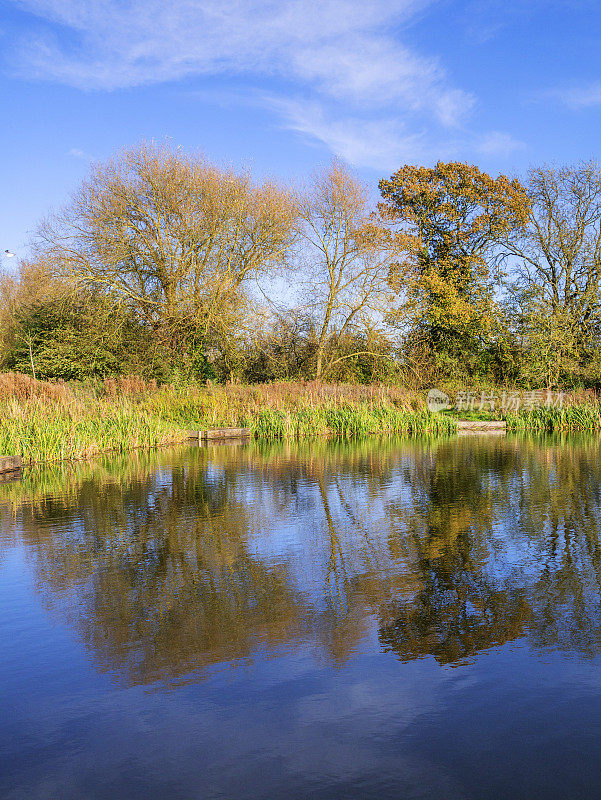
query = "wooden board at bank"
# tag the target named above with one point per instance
(10, 464)
(220, 433)
(469, 426)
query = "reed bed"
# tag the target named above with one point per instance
(47, 422)
(40, 433)
(348, 421)
(44, 422)
(572, 418)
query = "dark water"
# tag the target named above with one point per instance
(380, 620)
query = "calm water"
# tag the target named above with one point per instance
(380, 620)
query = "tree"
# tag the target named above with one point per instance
(80, 338)
(557, 267)
(51, 329)
(449, 220)
(30, 286)
(175, 239)
(348, 257)
(283, 347)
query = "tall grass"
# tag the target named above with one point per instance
(348, 421)
(554, 420)
(52, 422)
(39, 432)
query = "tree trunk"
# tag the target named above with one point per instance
(31, 358)
(318, 368)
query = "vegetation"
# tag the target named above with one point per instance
(199, 279)
(556, 420)
(41, 421)
(450, 221)
(174, 269)
(347, 420)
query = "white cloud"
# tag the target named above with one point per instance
(577, 97)
(341, 45)
(380, 143)
(371, 97)
(497, 143)
(375, 71)
(75, 152)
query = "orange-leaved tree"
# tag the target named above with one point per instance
(450, 219)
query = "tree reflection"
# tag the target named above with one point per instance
(169, 563)
(493, 515)
(157, 573)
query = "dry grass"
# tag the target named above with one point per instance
(16, 386)
(127, 386)
(50, 422)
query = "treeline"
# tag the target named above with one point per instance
(166, 266)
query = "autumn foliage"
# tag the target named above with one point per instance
(450, 220)
(171, 269)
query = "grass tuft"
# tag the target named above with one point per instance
(555, 420)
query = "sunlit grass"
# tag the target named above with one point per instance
(348, 421)
(41, 425)
(582, 418)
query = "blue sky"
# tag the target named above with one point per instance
(281, 85)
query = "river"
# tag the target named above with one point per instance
(377, 619)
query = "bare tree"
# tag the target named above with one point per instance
(172, 236)
(348, 258)
(559, 251)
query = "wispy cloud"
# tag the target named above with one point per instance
(374, 101)
(75, 152)
(576, 97)
(497, 143)
(342, 47)
(380, 143)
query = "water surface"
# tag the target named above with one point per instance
(368, 620)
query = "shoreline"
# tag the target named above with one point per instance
(342, 423)
(46, 423)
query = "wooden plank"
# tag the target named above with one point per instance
(467, 427)
(10, 477)
(485, 425)
(225, 433)
(219, 433)
(10, 464)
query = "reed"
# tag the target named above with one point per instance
(573, 418)
(41, 433)
(48, 422)
(348, 421)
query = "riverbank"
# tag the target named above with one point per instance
(42, 422)
(47, 422)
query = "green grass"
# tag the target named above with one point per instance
(52, 434)
(348, 421)
(583, 418)
(51, 429)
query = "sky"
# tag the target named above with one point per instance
(281, 86)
